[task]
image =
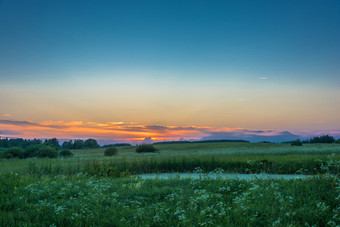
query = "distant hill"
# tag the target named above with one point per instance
(252, 137)
(202, 141)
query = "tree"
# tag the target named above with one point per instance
(322, 139)
(91, 143)
(47, 152)
(67, 145)
(5, 143)
(296, 143)
(19, 142)
(52, 142)
(78, 144)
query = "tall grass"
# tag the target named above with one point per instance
(284, 164)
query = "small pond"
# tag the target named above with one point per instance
(221, 176)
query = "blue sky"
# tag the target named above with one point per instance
(298, 39)
(249, 64)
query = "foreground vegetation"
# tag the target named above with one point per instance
(90, 189)
(89, 201)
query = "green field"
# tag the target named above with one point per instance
(92, 190)
(232, 157)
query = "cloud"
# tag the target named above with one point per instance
(21, 123)
(156, 128)
(147, 140)
(9, 133)
(133, 132)
(4, 115)
(263, 78)
(30, 123)
(256, 131)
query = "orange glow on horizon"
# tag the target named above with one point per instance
(115, 131)
(108, 130)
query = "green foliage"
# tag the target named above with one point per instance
(95, 169)
(38, 150)
(91, 143)
(80, 192)
(321, 139)
(78, 144)
(32, 150)
(65, 153)
(117, 145)
(52, 143)
(19, 142)
(110, 151)
(13, 152)
(296, 143)
(47, 152)
(67, 145)
(144, 148)
(91, 201)
(338, 141)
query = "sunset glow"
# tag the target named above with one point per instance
(128, 71)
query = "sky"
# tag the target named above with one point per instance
(165, 70)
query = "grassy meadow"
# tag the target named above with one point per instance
(232, 157)
(90, 189)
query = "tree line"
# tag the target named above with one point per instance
(316, 139)
(80, 144)
(322, 139)
(54, 142)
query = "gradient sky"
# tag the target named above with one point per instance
(119, 68)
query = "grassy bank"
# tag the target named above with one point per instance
(87, 201)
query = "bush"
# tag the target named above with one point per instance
(65, 153)
(110, 151)
(47, 152)
(143, 148)
(13, 152)
(338, 141)
(32, 150)
(38, 150)
(296, 143)
(6, 154)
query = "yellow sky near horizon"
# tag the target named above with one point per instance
(263, 104)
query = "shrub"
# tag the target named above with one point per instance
(6, 154)
(47, 152)
(105, 171)
(145, 148)
(110, 151)
(296, 143)
(338, 141)
(13, 152)
(65, 153)
(32, 150)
